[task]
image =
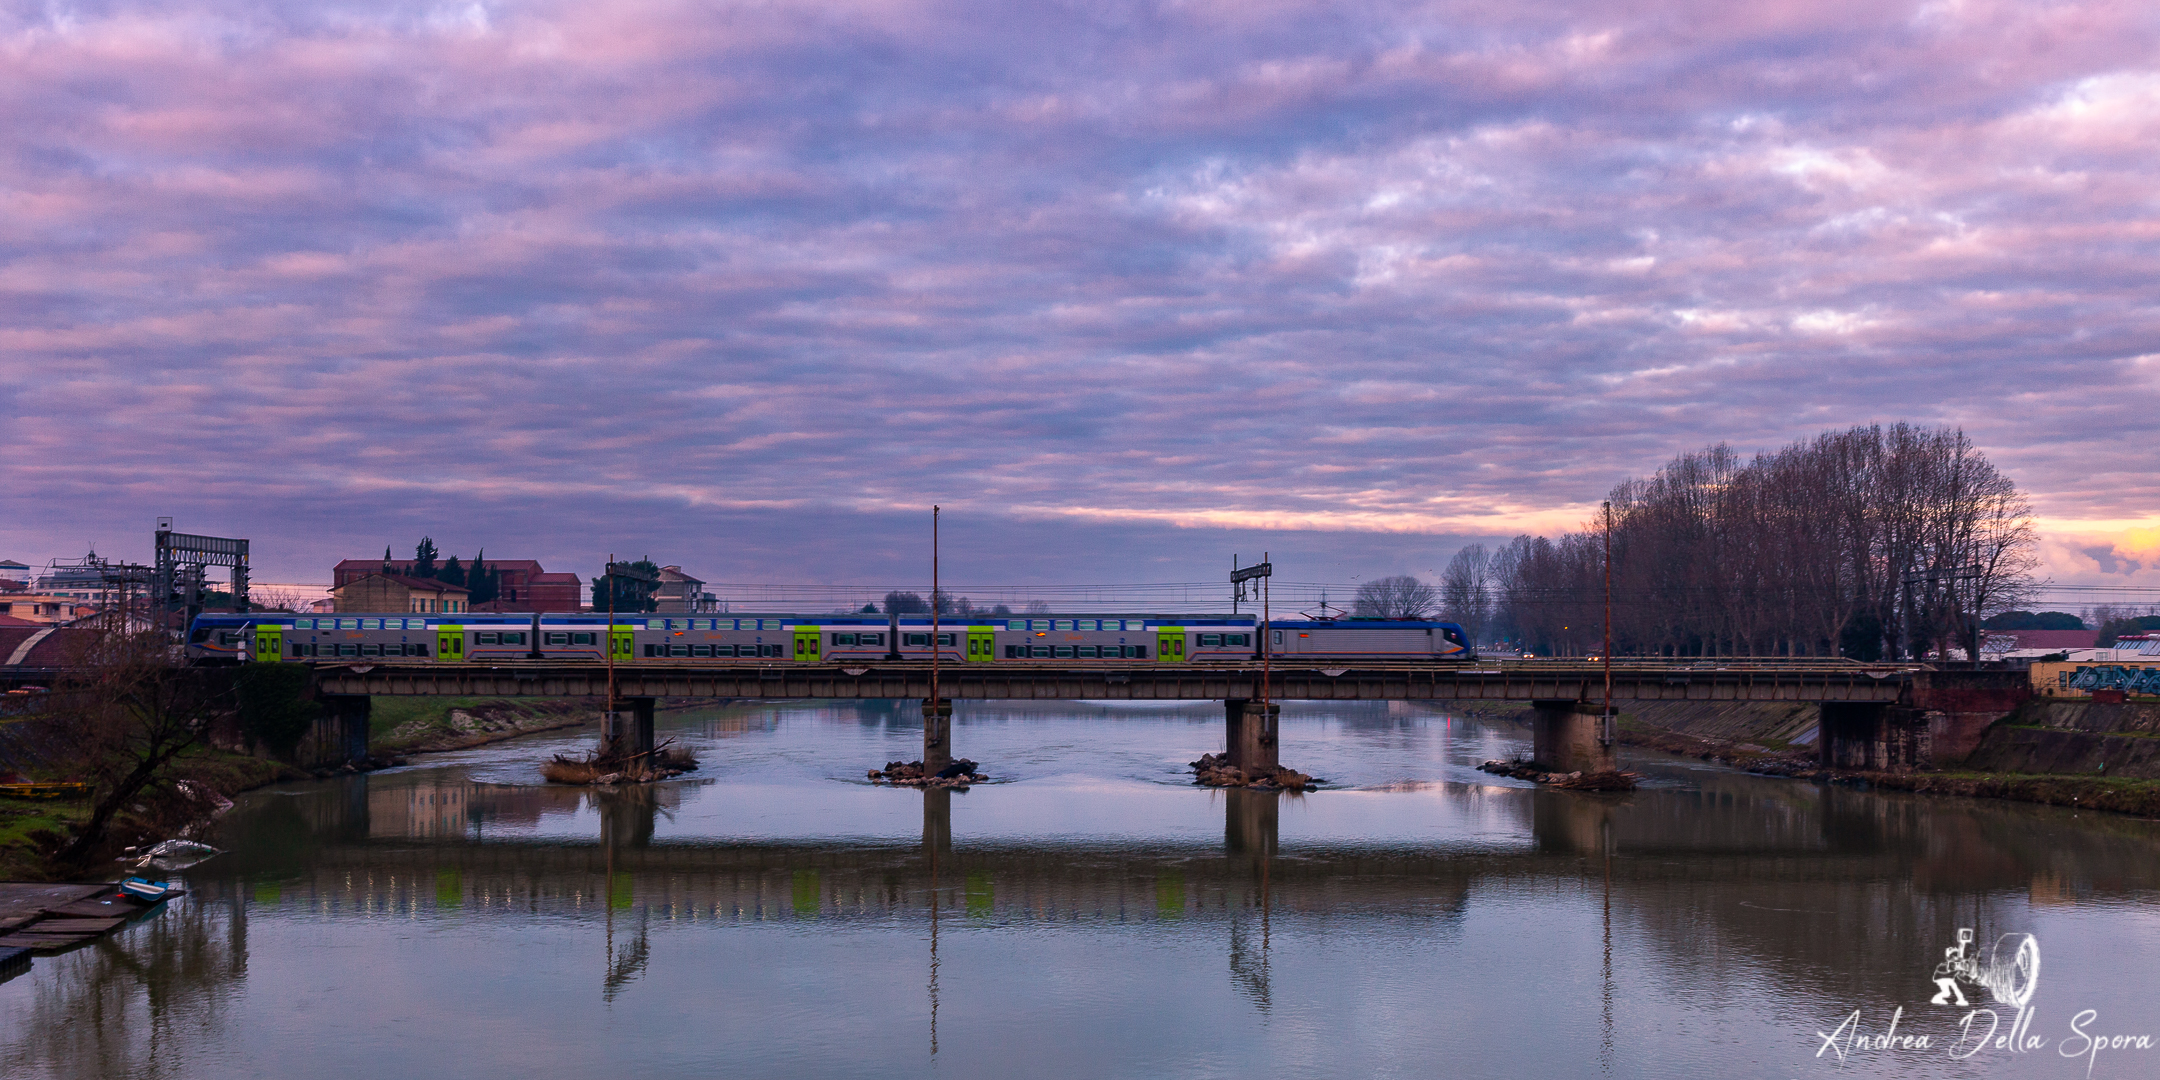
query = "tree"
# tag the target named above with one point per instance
(630, 594)
(904, 603)
(1466, 590)
(869, 609)
(131, 709)
(451, 573)
(1399, 597)
(484, 581)
(424, 558)
(1037, 607)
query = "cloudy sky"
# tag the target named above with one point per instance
(1126, 287)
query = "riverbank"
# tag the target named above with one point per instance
(420, 725)
(1776, 739)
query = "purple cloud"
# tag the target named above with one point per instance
(1127, 286)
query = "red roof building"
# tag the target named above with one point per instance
(526, 586)
(2045, 639)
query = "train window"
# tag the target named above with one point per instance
(348, 649)
(348, 624)
(1139, 652)
(768, 650)
(1278, 637)
(1064, 652)
(917, 640)
(701, 650)
(1016, 624)
(370, 649)
(948, 640)
(1087, 652)
(1039, 650)
(583, 639)
(1211, 640)
(871, 639)
(483, 639)
(1237, 639)
(678, 650)
(843, 639)
(513, 638)
(553, 638)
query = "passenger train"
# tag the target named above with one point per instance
(360, 638)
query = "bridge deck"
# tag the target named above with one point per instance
(1546, 681)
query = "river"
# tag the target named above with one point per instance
(1090, 914)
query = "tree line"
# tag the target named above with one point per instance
(482, 581)
(1870, 542)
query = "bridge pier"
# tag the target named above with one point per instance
(1871, 736)
(627, 731)
(936, 734)
(341, 734)
(1249, 729)
(1569, 736)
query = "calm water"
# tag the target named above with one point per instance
(1093, 916)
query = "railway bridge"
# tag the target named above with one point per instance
(1868, 714)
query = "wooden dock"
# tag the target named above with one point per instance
(47, 917)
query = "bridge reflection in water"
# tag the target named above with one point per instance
(1798, 871)
(1720, 882)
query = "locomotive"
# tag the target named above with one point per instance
(767, 638)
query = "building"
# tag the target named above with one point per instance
(681, 592)
(14, 576)
(396, 592)
(45, 608)
(2000, 641)
(526, 586)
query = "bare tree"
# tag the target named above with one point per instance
(1466, 590)
(278, 599)
(1399, 597)
(133, 709)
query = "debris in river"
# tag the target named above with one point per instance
(959, 774)
(1600, 780)
(658, 763)
(1215, 770)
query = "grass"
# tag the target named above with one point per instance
(29, 828)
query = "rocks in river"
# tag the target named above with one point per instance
(1215, 770)
(1602, 780)
(960, 774)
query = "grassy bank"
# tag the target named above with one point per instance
(2114, 794)
(30, 829)
(408, 725)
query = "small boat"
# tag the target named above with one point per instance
(145, 890)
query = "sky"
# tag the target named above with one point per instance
(1126, 288)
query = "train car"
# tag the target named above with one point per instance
(1369, 639)
(781, 637)
(274, 636)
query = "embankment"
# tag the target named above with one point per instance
(2057, 752)
(412, 725)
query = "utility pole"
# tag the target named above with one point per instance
(1607, 724)
(937, 712)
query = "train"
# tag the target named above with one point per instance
(769, 638)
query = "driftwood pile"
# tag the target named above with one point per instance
(959, 774)
(1601, 780)
(662, 762)
(1215, 770)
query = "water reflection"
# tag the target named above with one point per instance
(1106, 912)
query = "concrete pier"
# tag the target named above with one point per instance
(1569, 736)
(936, 734)
(1250, 731)
(1863, 735)
(628, 730)
(341, 732)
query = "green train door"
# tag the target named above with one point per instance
(449, 643)
(807, 648)
(622, 640)
(269, 644)
(982, 643)
(1170, 644)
